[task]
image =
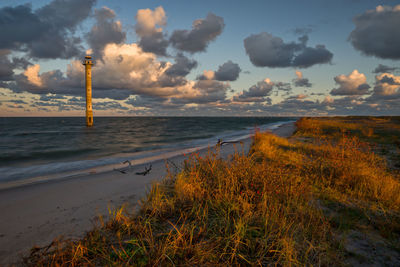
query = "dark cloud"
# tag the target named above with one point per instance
(46, 32)
(149, 29)
(300, 81)
(105, 31)
(310, 56)
(182, 66)
(48, 103)
(388, 80)
(303, 30)
(256, 93)
(116, 94)
(15, 106)
(377, 32)
(282, 86)
(155, 43)
(14, 26)
(297, 97)
(17, 101)
(171, 81)
(228, 71)
(209, 91)
(6, 68)
(76, 101)
(383, 68)
(51, 97)
(202, 33)
(266, 50)
(108, 105)
(7, 65)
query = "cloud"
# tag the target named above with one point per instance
(377, 32)
(303, 30)
(51, 97)
(148, 102)
(255, 93)
(105, 31)
(7, 65)
(17, 101)
(328, 100)
(266, 50)
(310, 56)
(108, 105)
(282, 86)
(182, 66)
(149, 22)
(124, 71)
(32, 75)
(387, 86)
(46, 32)
(383, 68)
(300, 81)
(149, 29)
(205, 91)
(228, 71)
(207, 75)
(352, 84)
(202, 33)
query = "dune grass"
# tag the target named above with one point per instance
(289, 202)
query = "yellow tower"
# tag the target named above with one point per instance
(88, 75)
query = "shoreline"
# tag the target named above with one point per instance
(115, 162)
(35, 214)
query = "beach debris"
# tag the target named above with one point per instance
(220, 142)
(146, 171)
(124, 170)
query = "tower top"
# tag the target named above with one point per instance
(87, 60)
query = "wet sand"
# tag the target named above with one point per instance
(36, 214)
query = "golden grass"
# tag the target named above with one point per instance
(259, 209)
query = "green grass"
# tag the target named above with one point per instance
(283, 204)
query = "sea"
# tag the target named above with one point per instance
(38, 149)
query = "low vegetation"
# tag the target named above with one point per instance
(326, 196)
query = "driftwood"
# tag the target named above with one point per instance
(145, 172)
(125, 169)
(220, 142)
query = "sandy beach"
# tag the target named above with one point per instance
(38, 213)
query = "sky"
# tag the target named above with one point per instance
(200, 58)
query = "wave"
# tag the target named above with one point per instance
(49, 154)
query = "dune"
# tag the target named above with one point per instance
(36, 214)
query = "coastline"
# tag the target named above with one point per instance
(35, 214)
(50, 171)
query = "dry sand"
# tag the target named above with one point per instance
(36, 214)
